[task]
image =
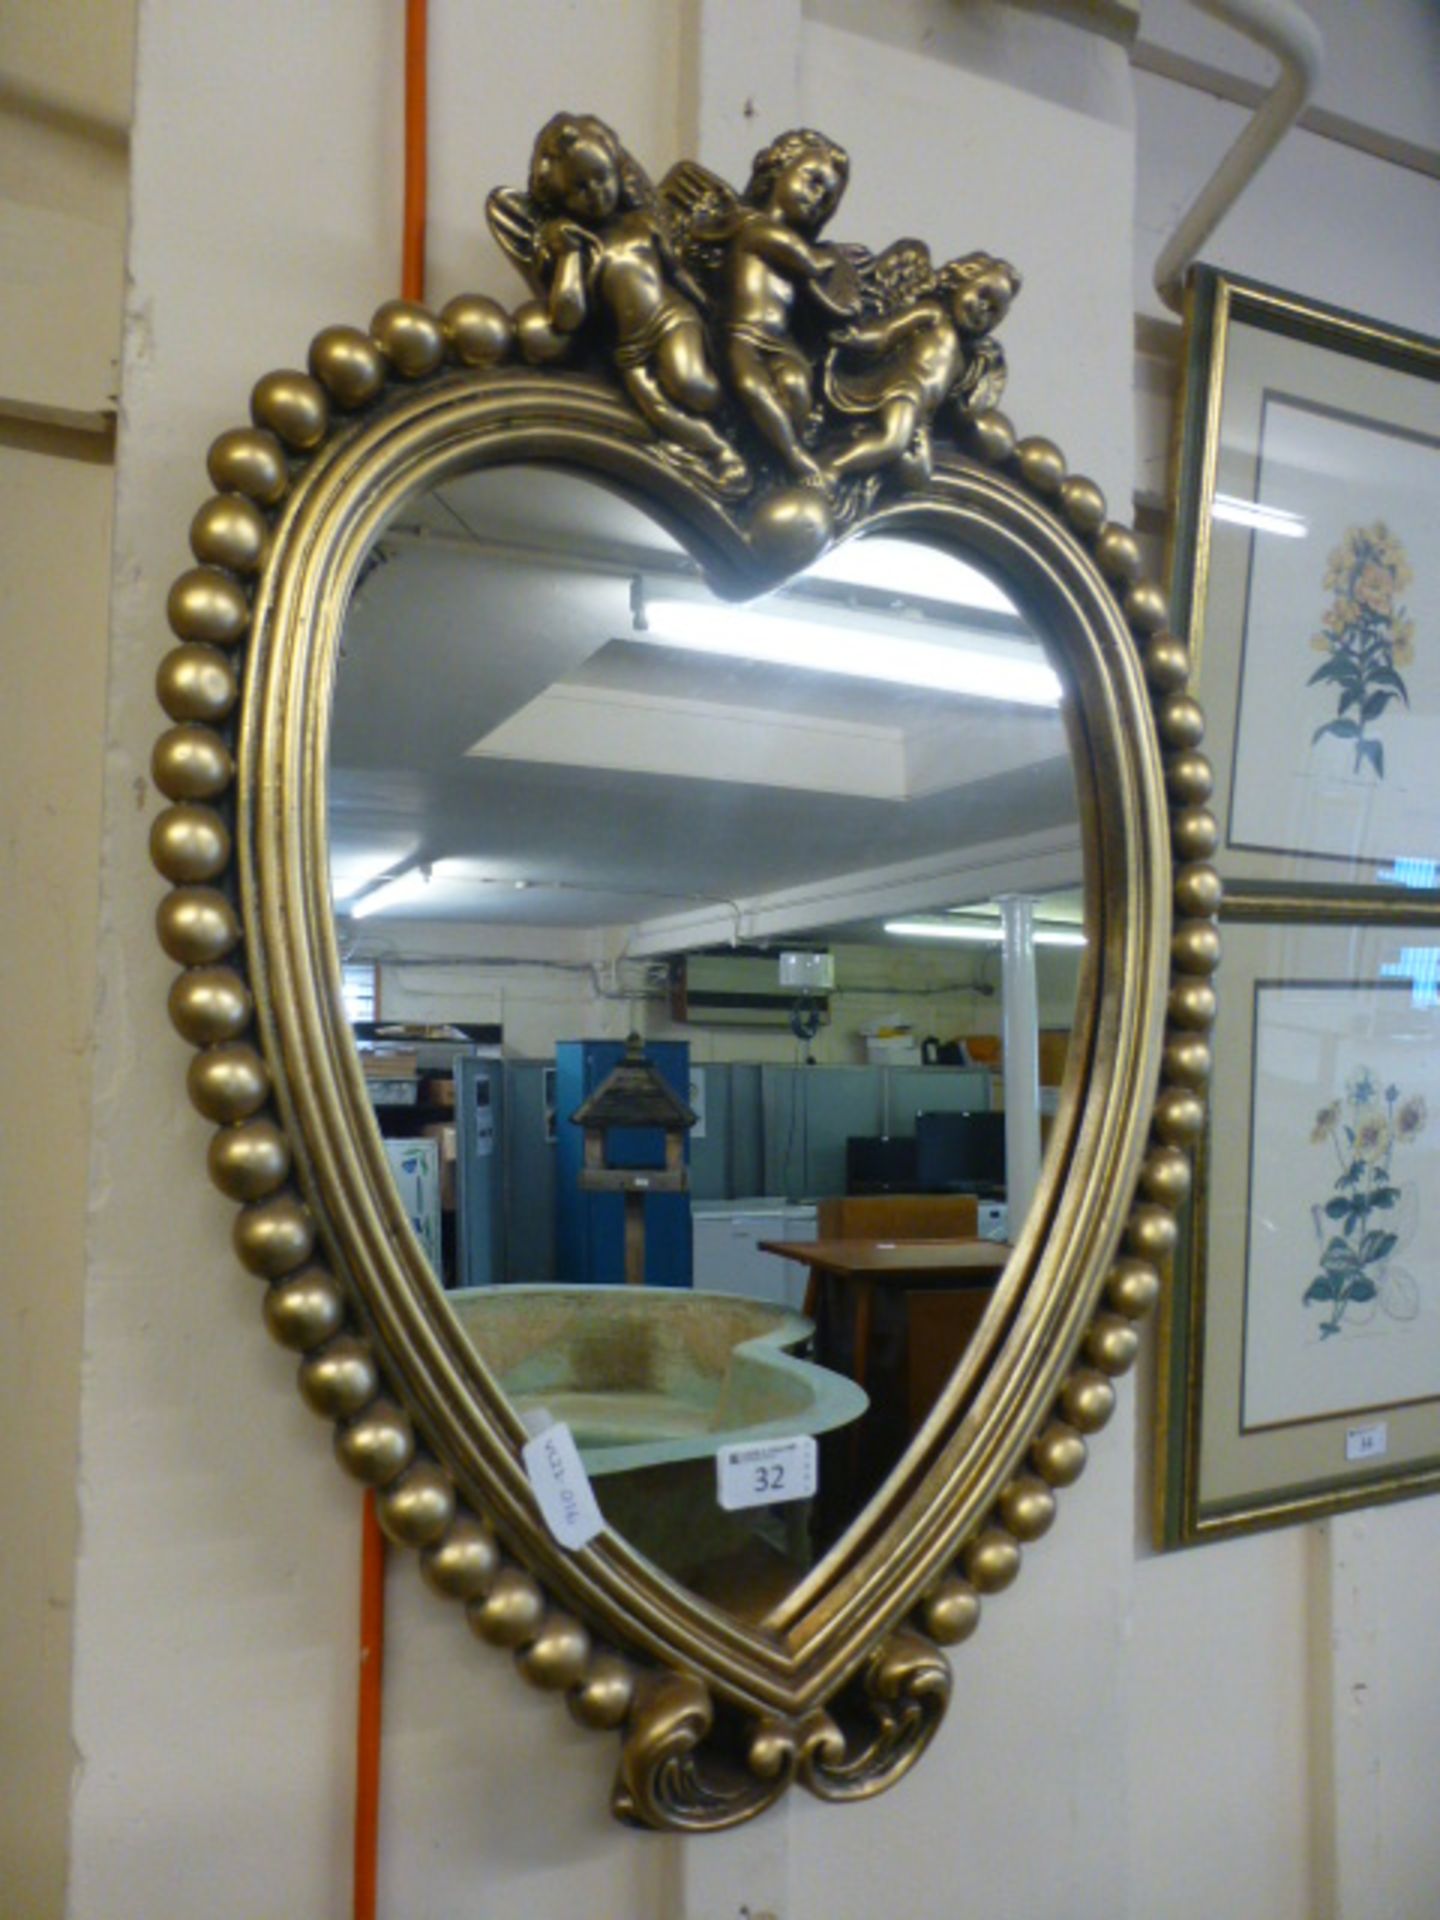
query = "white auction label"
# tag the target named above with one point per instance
(1367, 1442)
(562, 1486)
(763, 1472)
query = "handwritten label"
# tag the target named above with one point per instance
(562, 1486)
(1367, 1442)
(762, 1473)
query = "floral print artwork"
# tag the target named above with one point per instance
(1366, 637)
(1356, 1226)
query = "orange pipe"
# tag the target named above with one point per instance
(367, 1731)
(372, 1542)
(412, 249)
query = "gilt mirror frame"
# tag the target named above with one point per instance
(843, 1684)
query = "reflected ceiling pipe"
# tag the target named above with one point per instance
(410, 883)
(1285, 30)
(1020, 1027)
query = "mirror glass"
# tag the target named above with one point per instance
(575, 797)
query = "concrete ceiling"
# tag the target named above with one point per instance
(498, 718)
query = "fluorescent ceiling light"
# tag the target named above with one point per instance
(403, 889)
(912, 569)
(985, 933)
(1250, 513)
(980, 666)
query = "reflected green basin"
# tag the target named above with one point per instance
(648, 1377)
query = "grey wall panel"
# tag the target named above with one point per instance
(529, 1175)
(913, 1090)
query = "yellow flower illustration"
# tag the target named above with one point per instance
(1326, 1121)
(1372, 1135)
(1366, 638)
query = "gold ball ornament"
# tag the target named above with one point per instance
(1147, 607)
(377, 1445)
(1112, 1344)
(1058, 1454)
(1133, 1286)
(230, 531)
(249, 1161)
(479, 330)
(228, 1083)
(991, 1561)
(251, 461)
(410, 338)
(1198, 891)
(1179, 1117)
(1027, 1508)
(558, 1655)
(511, 1613)
(305, 1309)
(1041, 464)
(273, 1237)
(1165, 1177)
(209, 606)
(1167, 663)
(293, 406)
(191, 762)
(951, 1611)
(1151, 1232)
(540, 345)
(197, 926)
(340, 1380)
(1189, 779)
(189, 843)
(1192, 1005)
(196, 682)
(464, 1563)
(349, 366)
(1186, 1060)
(604, 1694)
(1082, 503)
(1195, 947)
(418, 1507)
(1087, 1400)
(992, 437)
(1117, 553)
(209, 1005)
(1181, 721)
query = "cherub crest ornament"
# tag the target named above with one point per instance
(773, 366)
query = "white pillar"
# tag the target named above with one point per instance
(1020, 1011)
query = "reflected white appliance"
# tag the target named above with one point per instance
(728, 1258)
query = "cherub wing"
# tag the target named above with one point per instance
(701, 212)
(901, 276)
(982, 383)
(516, 226)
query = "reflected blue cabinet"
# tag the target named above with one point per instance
(590, 1227)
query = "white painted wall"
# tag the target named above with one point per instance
(62, 221)
(1246, 1729)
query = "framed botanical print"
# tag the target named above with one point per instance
(1301, 1354)
(1306, 570)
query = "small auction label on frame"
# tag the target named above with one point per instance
(762, 1473)
(1370, 1442)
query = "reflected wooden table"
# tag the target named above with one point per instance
(845, 1274)
(932, 1295)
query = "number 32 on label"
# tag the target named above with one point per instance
(763, 1473)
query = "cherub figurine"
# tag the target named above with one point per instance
(796, 183)
(761, 250)
(591, 238)
(929, 341)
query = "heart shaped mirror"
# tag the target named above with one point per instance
(673, 874)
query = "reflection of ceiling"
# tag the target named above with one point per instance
(493, 717)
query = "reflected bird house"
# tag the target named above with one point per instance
(633, 1097)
